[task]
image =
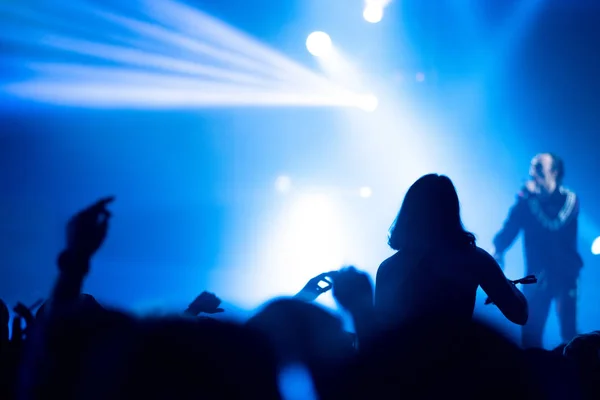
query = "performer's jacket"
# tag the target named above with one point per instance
(549, 233)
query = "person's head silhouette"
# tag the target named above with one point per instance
(430, 217)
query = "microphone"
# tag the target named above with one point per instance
(528, 280)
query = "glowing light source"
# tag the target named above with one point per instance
(365, 192)
(154, 54)
(319, 44)
(312, 237)
(420, 77)
(283, 184)
(596, 246)
(373, 13)
(368, 103)
(307, 238)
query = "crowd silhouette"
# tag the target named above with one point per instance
(415, 335)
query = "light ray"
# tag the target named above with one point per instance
(118, 95)
(194, 46)
(152, 54)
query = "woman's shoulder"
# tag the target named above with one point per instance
(479, 256)
(479, 252)
(390, 263)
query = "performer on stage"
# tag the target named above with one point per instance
(547, 213)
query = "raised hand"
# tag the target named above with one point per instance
(87, 230)
(352, 289)
(315, 287)
(205, 303)
(25, 313)
(85, 234)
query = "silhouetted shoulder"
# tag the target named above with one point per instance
(483, 254)
(480, 257)
(387, 265)
(388, 262)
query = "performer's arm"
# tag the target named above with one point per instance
(512, 226)
(570, 219)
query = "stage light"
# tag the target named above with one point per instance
(368, 103)
(373, 13)
(154, 54)
(365, 192)
(307, 237)
(596, 246)
(312, 238)
(319, 44)
(283, 184)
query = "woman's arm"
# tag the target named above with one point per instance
(502, 292)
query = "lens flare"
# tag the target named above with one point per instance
(373, 13)
(319, 44)
(596, 247)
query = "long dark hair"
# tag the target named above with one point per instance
(430, 216)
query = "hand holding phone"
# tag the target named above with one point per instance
(315, 287)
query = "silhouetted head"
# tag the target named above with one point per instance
(430, 216)
(205, 359)
(302, 332)
(306, 334)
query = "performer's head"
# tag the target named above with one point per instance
(430, 216)
(547, 171)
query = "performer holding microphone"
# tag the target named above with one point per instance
(547, 213)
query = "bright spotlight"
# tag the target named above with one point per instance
(368, 103)
(596, 246)
(365, 192)
(313, 234)
(204, 62)
(283, 184)
(319, 44)
(373, 13)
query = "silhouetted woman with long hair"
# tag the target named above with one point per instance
(437, 268)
